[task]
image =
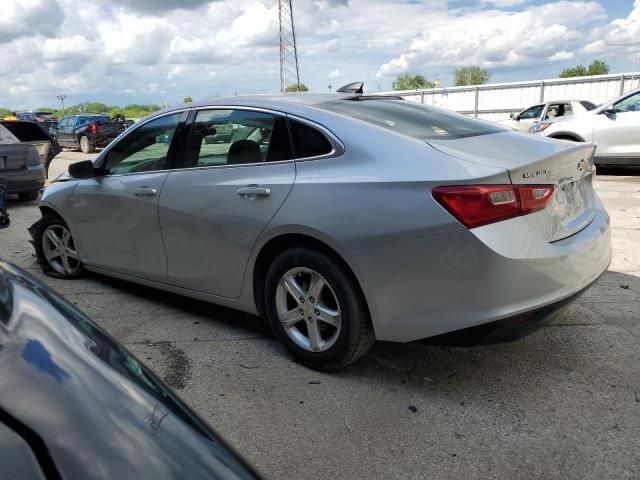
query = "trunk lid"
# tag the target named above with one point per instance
(535, 160)
(13, 156)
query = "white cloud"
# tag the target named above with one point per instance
(561, 56)
(17, 18)
(119, 51)
(499, 38)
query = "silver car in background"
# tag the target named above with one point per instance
(614, 127)
(342, 218)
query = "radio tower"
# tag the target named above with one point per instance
(288, 52)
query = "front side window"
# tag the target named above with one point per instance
(236, 137)
(531, 113)
(629, 104)
(410, 118)
(145, 149)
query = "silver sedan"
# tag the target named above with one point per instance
(341, 218)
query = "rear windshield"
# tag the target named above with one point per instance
(588, 105)
(410, 118)
(27, 131)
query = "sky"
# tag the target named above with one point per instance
(151, 51)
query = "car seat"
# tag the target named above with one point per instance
(244, 151)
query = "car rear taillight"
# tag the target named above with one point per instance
(93, 128)
(477, 205)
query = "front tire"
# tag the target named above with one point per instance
(55, 248)
(86, 146)
(317, 310)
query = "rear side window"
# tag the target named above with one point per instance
(308, 141)
(410, 118)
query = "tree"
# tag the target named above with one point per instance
(300, 87)
(597, 67)
(187, 100)
(471, 75)
(408, 82)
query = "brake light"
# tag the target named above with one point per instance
(477, 205)
(93, 128)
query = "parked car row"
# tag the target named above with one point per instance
(613, 126)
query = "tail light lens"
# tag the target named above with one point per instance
(477, 205)
(93, 128)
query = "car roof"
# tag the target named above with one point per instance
(286, 102)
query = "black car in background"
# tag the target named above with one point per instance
(76, 404)
(87, 132)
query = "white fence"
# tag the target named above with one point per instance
(497, 100)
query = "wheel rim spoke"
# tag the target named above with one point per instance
(66, 237)
(290, 318)
(315, 286)
(72, 254)
(329, 316)
(53, 238)
(51, 254)
(65, 264)
(293, 288)
(315, 340)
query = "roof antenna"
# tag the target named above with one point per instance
(355, 87)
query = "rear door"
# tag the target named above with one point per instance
(618, 134)
(238, 169)
(116, 215)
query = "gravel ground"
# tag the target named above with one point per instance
(563, 402)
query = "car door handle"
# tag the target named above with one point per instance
(254, 190)
(144, 192)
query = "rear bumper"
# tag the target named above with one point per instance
(29, 179)
(507, 329)
(437, 285)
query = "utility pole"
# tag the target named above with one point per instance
(62, 97)
(288, 51)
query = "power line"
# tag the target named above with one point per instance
(289, 74)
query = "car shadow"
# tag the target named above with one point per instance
(246, 324)
(557, 348)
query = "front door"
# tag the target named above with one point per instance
(238, 170)
(618, 134)
(64, 132)
(116, 215)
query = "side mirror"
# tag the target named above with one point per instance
(82, 169)
(607, 111)
(511, 116)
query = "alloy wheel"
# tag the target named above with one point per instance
(308, 309)
(59, 250)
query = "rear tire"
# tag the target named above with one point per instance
(86, 146)
(28, 196)
(326, 324)
(55, 248)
